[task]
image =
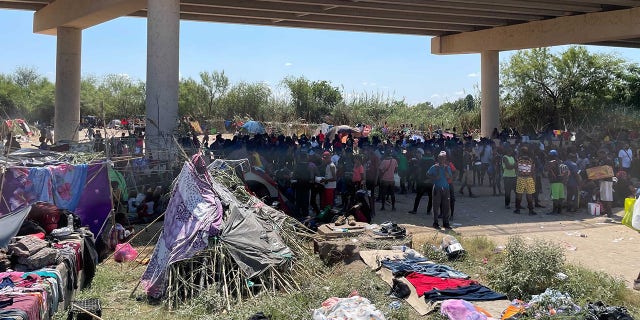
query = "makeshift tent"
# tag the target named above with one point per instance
(355, 132)
(122, 183)
(10, 224)
(227, 240)
(16, 127)
(83, 189)
(253, 127)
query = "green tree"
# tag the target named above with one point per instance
(216, 84)
(122, 96)
(193, 98)
(312, 101)
(247, 100)
(555, 87)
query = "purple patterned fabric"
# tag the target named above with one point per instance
(95, 203)
(193, 214)
(83, 189)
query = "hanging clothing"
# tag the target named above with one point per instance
(68, 184)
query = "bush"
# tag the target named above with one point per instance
(526, 268)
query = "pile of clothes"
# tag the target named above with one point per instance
(438, 282)
(354, 307)
(553, 303)
(42, 258)
(30, 295)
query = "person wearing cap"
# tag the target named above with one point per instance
(557, 173)
(329, 180)
(440, 173)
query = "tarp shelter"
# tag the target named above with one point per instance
(10, 224)
(83, 189)
(253, 127)
(122, 183)
(355, 132)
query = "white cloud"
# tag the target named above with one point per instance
(473, 75)
(458, 93)
(365, 83)
(435, 95)
(288, 64)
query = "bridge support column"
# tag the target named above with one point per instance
(68, 68)
(490, 104)
(163, 36)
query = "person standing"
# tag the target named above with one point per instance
(302, 185)
(440, 173)
(371, 165)
(423, 181)
(508, 175)
(468, 171)
(316, 187)
(626, 157)
(329, 180)
(486, 154)
(606, 184)
(557, 173)
(403, 167)
(388, 168)
(574, 182)
(525, 183)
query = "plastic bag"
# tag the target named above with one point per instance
(125, 252)
(629, 204)
(635, 220)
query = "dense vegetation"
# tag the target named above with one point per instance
(570, 89)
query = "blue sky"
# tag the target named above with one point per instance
(394, 65)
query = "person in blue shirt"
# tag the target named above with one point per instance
(440, 173)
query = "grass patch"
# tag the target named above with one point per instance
(114, 282)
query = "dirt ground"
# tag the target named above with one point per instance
(598, 243)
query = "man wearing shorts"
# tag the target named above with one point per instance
(557, 177)
(525, 183)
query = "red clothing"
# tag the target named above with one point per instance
(327, 197)
(424, 283)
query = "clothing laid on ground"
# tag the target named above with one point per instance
(424, 283)
(474, 292)
(406, 266)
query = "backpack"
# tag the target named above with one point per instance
(525, 167)
(563, 170)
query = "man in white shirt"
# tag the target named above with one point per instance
(626, 156)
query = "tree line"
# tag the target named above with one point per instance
(540, 90)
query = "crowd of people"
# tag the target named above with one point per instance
(333, 169)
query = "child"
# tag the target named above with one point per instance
(118, 233)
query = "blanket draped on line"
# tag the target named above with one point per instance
(61, 185)
(83, 189)
(193, 214)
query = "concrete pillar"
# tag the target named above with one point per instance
(163, 36)
(489, 85)
(68, 68)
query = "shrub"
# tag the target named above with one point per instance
(527, 268)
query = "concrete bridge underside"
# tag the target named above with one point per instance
(456, 26)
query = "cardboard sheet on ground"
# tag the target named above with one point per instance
(370, 258)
